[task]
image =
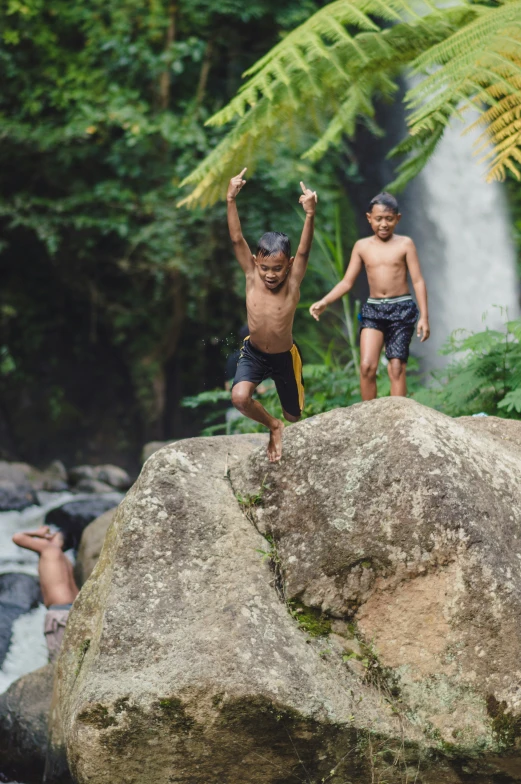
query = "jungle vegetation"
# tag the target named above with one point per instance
(115, 304)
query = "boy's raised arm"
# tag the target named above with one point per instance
(346, 284)
(240, 246)
(33, 540)
(423, 329)
(309, 203)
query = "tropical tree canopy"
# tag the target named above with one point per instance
(324, 78)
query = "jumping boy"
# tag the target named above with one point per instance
(389, 315)
(57, 584)
(273, 278)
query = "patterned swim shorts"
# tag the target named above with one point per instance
(394, 316)
(54, 628)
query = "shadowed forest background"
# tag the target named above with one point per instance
(115, 305)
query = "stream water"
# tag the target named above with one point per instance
(27, 650)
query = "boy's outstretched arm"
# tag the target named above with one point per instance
(309, 203)
(346, 284)
(423, 329)
(240, 246)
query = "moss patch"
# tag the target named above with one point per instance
(173, 710)
(310, 619)
(97, 716)
(506, 727)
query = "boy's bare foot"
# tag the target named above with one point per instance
(275, 443)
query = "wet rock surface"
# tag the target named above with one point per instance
(74, 516)
(24, 715)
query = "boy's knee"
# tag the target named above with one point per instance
(368, 368)
(396, 368)
(240, 397)
(291, 417)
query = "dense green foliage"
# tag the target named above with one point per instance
(483, 375)
(327, 76)
(114, 303)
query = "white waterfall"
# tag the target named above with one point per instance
(461, 227)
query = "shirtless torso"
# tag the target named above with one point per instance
(385, 264)
(54, 568)
(271, 313)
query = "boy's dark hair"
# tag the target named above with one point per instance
(274, 242)
(386, 200)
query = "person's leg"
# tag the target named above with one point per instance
(397, 369)
(242, 399)
(371, 342)
(397, 340)
(289, 382)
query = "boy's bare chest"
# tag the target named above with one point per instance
(384, 260)
(269, 303)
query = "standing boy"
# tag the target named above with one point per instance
(390, 314)
(273, 279)
(57, 584)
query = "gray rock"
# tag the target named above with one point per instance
(99, 479)
(92, 486)
(16, 491)
(78, 473)
(90, 547)
(408, 523)
(54, 478)
(114, 476)
(24, 713)
(181, 663)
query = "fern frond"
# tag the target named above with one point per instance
(323, 78)
(480, 68)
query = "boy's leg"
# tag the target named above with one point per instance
(371, 342)
(397, 369)
(397, 341)
(289, 382)
(242, 399)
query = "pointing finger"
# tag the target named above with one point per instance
(242, 173)
(303, 187)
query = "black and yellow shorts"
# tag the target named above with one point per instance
(285, 369)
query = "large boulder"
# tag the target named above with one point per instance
(24, 715)
(90, 547)
(408, 524)
(180, 660)
(348, 614)
(19, 593)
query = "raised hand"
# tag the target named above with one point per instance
(308, 200)
(235, 186)
(317, 308)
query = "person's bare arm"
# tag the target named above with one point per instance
(309, 202)
(240, 246)
(37, 540)
(423, 329)
(346, 284)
